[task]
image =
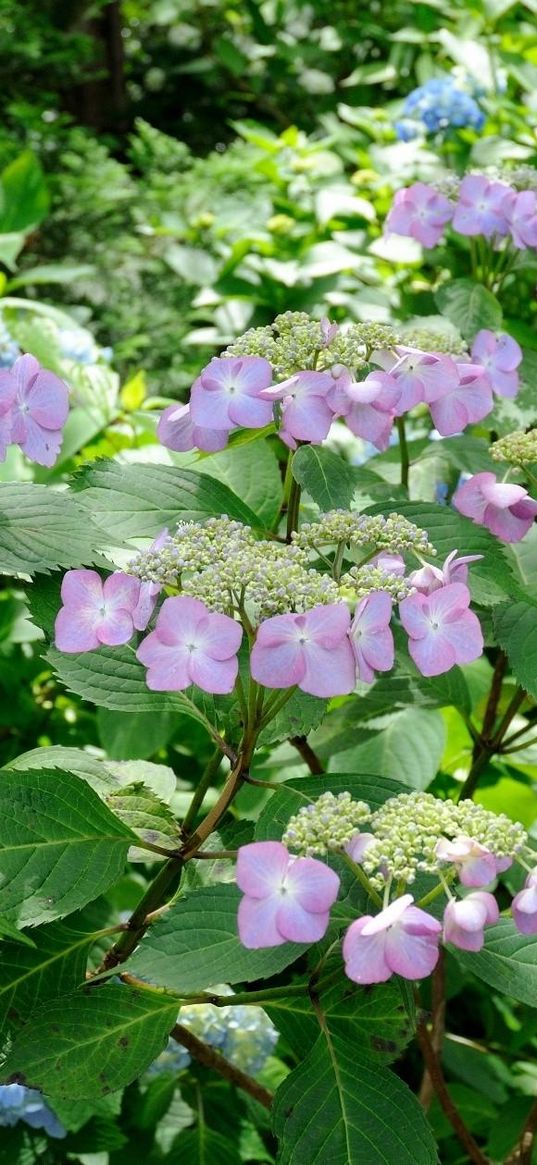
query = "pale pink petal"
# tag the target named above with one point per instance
(221, 635)
(313, 884)
(364, 956)
(121, 591)
(72, 634)
(25, 369)
(298, 925)
(213, 675)
(169, 667)
(82, 588)
(433, 655)
(115, 627)
(256, 920)
(329, 624)
(505, 525)
(524, 909)
(249, 412)
(178, 619)
(48, 400)
(281, 666)
(261, 868)
(41, 445)
(469, 499)
(478, 870)
(413, 612)
(328, 671)
(411, 955)
(358, 845)
(210, 409)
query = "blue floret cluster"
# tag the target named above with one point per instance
(244, 1035)
(437, 106)
(18, 1103)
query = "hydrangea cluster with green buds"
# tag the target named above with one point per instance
(407, 827)
(325, 825)
(518, 448)
(405, 831)
(362, 580)
(346, 527)
(222, 563)
(432, 340)
(294, 341)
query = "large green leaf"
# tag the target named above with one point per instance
(469, 306)
(298, 717)
(252, 472)
(204, 1146)
(508, 962)
(42, 528)
(327, 478)
(491, 579)
(196, 944)
(408, 744)
(516, 628)
(60, 847)
(338, 1109)
(53, 967)
(24, 197)
(137, 501)
(92, 1042)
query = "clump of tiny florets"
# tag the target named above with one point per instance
(393, 533)
(447, 342)
(517, 448)
(362, 580)
(327, 824)
(294, 342)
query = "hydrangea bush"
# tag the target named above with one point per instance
(307, 625)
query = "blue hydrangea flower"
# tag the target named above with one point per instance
(244, 1035)
(437, 106)
(18, 1103)
(78, 344)
(9, 349)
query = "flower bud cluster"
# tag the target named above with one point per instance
(496, 831)
(266, 578)
(432, 340)
(192, 546)
(325, 825)
(518, 448)
(244, 1035)
(294, 341)
(362, 580)
(393, 533)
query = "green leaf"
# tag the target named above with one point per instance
(515, 625)
(60, 847)
(203, 1146)
(508, 962)
(300, 715)
(289, 798)
(41, 529)
(138, 501)
(134, 735)
(325, 476)
(410, 743)
(112, 678)
(51, 273)
(149, 817)
(252, 472)
(24, 197)
(72, 760)
(54, 966)
(491, 579)
(89, 1044)
(469, 306)
(335, 1108)
(196, 945)
(8, 930)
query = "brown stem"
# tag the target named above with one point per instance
(154, 897)
(434, 1069)
(307, 754)
(210, 1058)
(523, 1151)
(213, 818)
(438, 1017)
(489, 742)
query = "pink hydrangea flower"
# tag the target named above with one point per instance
(430, 577)
(442, 631)
(329, 331)
(286, 899)
(96, 612)
(465, 403)
(520, 211)
(420, 376)
(358, 845)
(149, 591)
(524, 906)
(401, 940)
(312, 650)
(465, 920)
(500, 356)
(306, 414)
(191, 645)
(176, 430)
(420, 212)
(371, 637)
(479, 209)
(367, 405)
(228, 393)
(34, 406)
(506, 510)
(476, 865)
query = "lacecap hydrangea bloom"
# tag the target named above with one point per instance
(244, 1035)
(288, 892)
(34, 405)
(436, 107)
(481, 205)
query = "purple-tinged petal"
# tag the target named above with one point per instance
(256, 921)
(364, 955)
(213, 675)
(261, 868)
(73, 634)
(298, 925)
(524, 909)
(313, 884)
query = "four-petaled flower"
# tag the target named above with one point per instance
(306, 414)
(191, 645)
(475, 864)
(312, 650)
(465, 920)
(96, 613)
(480, 207)
(402, 940)
(464, 403)
(228, 394)
(421, 212)
(176, 430)
(34, 405)
(286, 899)
(442, 631)
(505, 509)
(371, 637)
(367, 405)
(500, 356)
